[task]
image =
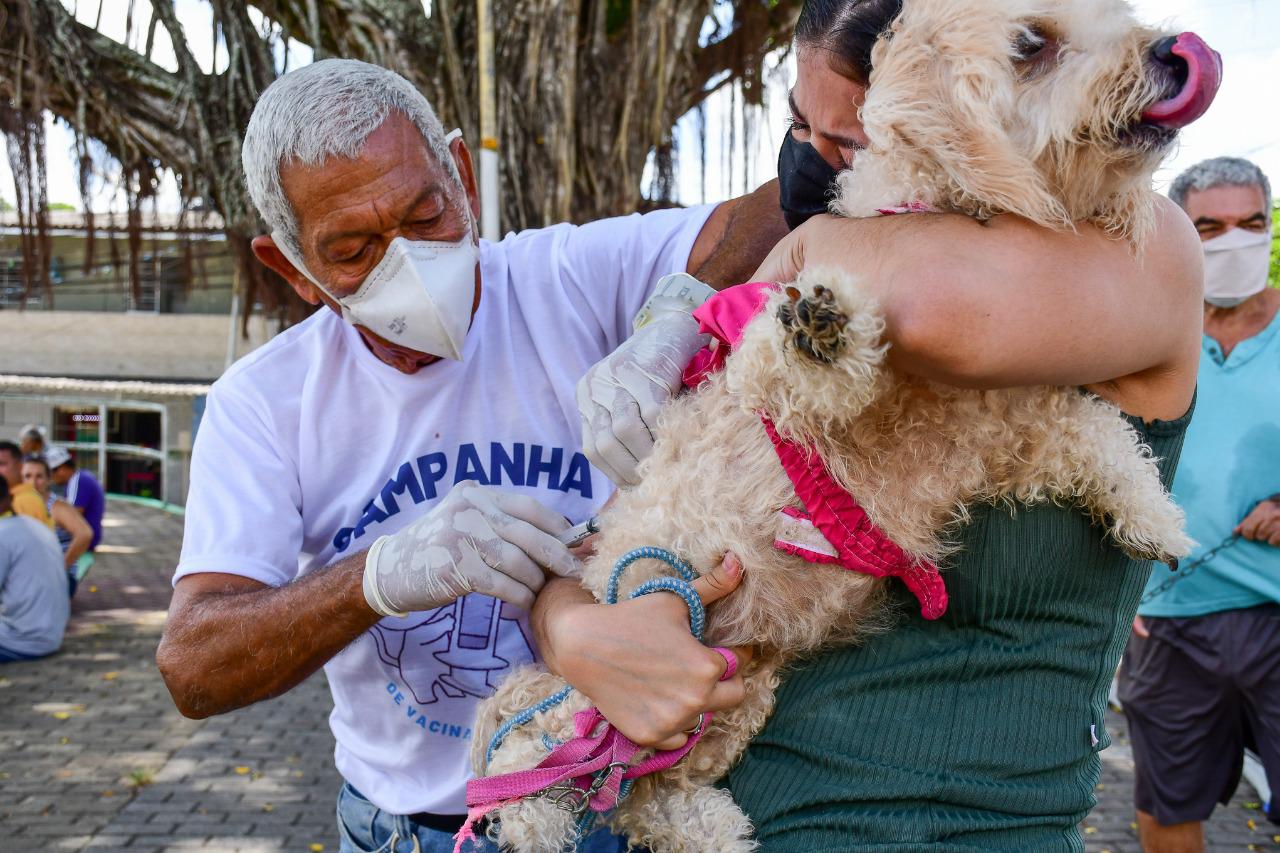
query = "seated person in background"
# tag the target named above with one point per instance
(82, 489)
(33, 586)
(24, 499)
(31, 440)
(74, 533)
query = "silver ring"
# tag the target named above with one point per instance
(702, 720)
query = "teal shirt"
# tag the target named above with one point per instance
(1230, 461)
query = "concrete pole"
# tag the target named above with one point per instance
(233, 319)
(490, 198)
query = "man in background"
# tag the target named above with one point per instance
(1203, 666)
(82, 489)
(24, 499)
(31, 440)
(33, 586)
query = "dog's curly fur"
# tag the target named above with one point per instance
(961, 118)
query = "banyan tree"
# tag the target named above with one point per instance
(588, 92)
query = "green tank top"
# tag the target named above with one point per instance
(978, 731)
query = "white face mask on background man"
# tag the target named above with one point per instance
(419, 296)
(1236, 266)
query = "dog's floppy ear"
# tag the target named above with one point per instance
(938, 109)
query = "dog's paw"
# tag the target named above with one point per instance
(1163, 541)
(813, 324)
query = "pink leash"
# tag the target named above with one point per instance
(584, 773)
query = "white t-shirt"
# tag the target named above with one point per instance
(310, 449)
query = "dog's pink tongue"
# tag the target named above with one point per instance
(1204, 76)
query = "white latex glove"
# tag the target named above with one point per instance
(478, 539)
(619, 397)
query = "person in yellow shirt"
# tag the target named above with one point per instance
(26, 500)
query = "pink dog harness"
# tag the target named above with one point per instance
(585, 773)
(856, 543)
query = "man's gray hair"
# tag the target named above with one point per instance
(1220, 172)
(326, 109)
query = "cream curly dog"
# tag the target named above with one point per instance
(981, 107)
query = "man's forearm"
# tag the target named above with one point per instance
(230, 642)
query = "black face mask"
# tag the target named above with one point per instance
(806, 182)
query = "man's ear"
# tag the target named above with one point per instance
(466, 171)
(264, 249)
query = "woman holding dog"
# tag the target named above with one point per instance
(981, 730)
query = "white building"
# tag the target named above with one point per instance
(120, 378)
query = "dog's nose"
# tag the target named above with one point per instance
(1162, 52)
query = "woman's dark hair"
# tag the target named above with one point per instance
(37, 459)
(847, 30)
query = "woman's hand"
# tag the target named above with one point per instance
(636, 660)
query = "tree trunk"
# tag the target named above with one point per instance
(587, 91)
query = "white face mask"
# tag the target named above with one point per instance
(1236, 266)
(419, 296)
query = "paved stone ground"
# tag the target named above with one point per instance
(93, 755)
(1239, 825)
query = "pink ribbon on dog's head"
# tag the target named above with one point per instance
(724, 316)
(859, 544)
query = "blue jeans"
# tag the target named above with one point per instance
(365, 828)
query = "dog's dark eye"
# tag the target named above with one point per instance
(1029, 42)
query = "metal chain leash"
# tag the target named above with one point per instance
(1189, 569)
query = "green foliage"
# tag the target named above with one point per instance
(140, 778)
(617, 16)
(5, 207)
(61, 205)
(1275, 246)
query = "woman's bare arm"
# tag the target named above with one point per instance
(69, 519)
(1010, 303)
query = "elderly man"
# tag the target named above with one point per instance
(31, 440)
(384, 496)
(1203, 666)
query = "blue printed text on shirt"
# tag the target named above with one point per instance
(428, 477)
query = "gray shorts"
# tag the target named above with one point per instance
(1195, 693)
